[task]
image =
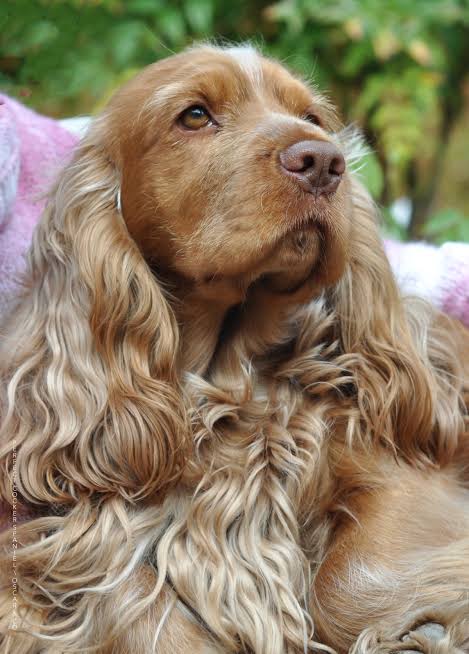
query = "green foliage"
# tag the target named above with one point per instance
(447, 225)
(371, 174)
(396, 68)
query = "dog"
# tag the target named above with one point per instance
(226, 429)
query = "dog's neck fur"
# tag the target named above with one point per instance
(225, 315)
(247, 315)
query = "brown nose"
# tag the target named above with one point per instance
(317, 166)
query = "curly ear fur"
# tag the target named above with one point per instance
(92, 412)
(405, 368)
(91, 397)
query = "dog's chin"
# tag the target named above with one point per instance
(294, 259)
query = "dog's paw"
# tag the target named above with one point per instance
(444, 630)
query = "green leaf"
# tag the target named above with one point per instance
(34, 37)
(144, 7)
(124, 41)
(358, 55)
(442, 222)
(171, 25)
(371, 174)
(199, 14)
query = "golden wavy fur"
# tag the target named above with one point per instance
(227, 430)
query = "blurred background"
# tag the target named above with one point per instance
(398, 69)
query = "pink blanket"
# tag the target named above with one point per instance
(33, 148)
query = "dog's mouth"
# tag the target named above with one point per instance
(295, 257)
(298, 253)
(301, 240)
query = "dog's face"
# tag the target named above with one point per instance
(229, 170)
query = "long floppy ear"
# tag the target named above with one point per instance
(90, 392)
(405, 367)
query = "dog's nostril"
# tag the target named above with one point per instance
(308, 162)
(316, 166)
(337, 166)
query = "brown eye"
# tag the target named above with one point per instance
(195, 117)
(314, 119)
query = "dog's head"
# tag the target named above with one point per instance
(230, 170)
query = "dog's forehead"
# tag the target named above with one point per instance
(261, 72)
(238, 71)
(248, 60)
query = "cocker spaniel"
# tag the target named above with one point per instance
(226, 430)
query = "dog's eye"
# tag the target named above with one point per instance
(314, 119)
(195, 117)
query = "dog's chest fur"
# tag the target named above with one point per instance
(252, 490)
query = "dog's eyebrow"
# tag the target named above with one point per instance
(164, 94)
